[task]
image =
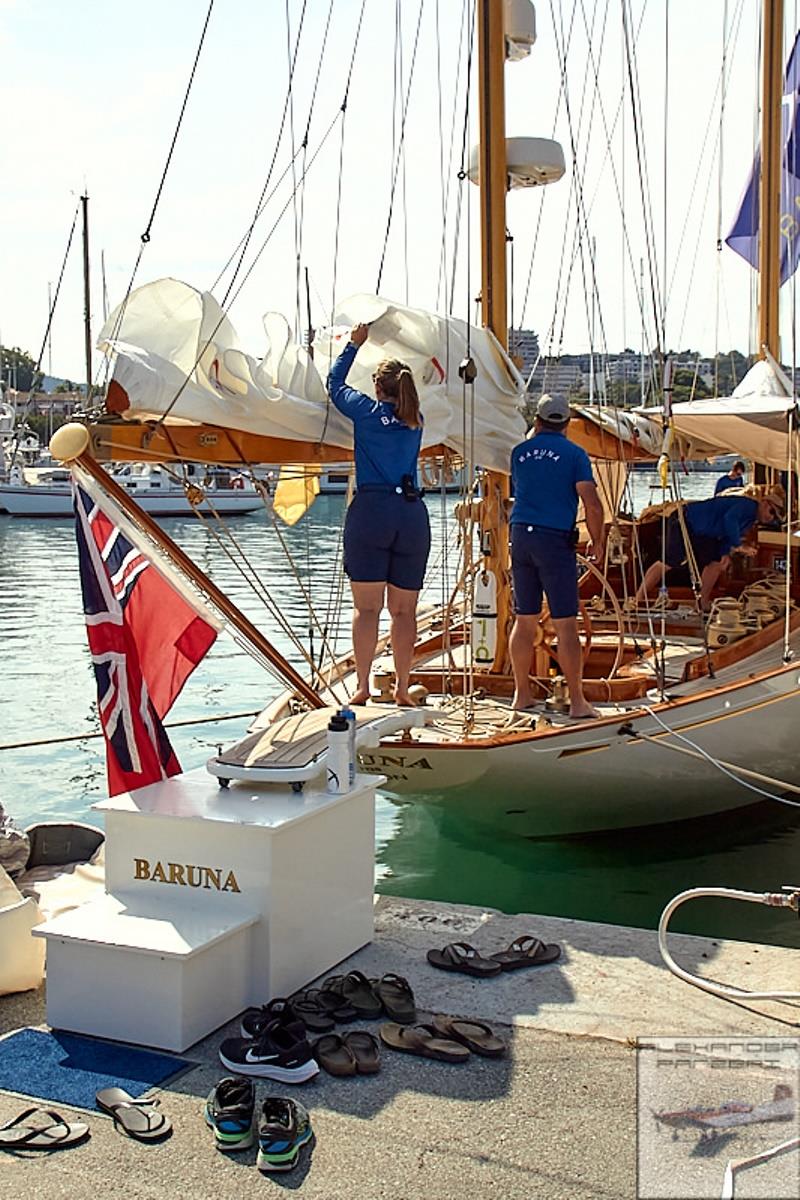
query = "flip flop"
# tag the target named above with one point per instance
(139, 1119)
(16, 1135)
(332, 1053)
(460, 956)
(358, 992)
(307, 1007)
(527, 951)
(365, 1048)
(397, 998)
(423, 1040)
(475, 1035)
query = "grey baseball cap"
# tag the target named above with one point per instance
(554, 408)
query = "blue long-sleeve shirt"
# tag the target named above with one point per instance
(726, 518)
(386, 448)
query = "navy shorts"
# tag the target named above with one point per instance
(543, 562)
(386, 540)
(706, 549)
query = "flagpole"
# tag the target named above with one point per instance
(69, 445)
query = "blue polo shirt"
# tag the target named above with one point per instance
(544, 472)
(724, 482)
(726, 518)
(386, 448)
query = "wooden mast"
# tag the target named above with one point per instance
(769, 198)
(769, 188)
(493, 184)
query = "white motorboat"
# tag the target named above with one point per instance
(161, 493)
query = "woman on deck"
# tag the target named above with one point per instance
(387, 534)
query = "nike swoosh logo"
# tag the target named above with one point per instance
(257, 1058)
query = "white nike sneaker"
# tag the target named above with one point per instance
(277, 1053)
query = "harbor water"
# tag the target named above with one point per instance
(47, 695)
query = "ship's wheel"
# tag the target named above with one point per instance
(545, 646)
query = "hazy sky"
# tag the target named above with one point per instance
(90, 93)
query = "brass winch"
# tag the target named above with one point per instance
(558, 700)
(726, 623)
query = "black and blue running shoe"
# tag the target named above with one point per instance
(229, 1112)
(283, 1127)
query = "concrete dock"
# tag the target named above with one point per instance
(556, 1118)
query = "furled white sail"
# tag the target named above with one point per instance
(758, 420)
(177, 353)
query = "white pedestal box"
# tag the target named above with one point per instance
(216, 899)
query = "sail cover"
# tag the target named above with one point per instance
(758, 420)
(178, 355)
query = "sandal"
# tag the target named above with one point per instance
(306, 1005)
(332, 1053)
(397, 998)
(139, 1119)
(365, 1048)
(460, 956)
(423, 1040)
(527, 951)
(358, 992)
(475, 1035)
(16, 1135)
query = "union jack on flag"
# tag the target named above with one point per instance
(145, 640)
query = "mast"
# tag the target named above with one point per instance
(770, 182)
(87, 322)
(493, 183)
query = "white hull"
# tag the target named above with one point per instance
(582, 780)
(30, 500)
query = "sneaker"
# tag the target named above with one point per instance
(255, 1020)
(283, 1127)
(277, 1053)
(229, 1112)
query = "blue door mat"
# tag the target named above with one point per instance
(71, 1069)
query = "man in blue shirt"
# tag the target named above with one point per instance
(734, 479)
(549, 475)
(715, 528)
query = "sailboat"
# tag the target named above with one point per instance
(697, 716)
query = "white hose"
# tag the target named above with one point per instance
(790, 898)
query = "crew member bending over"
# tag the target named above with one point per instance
(387, 533)
(715, 527)
(549, 474)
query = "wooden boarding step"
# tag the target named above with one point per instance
(294, 749)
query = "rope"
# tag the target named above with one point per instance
(85, 737)
(730, 769)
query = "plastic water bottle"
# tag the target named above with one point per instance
(350, 717)
(338, 757)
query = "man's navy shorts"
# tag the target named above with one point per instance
(543, 561)
(706, 549)
(387, 539)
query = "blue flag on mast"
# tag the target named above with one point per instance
(743, 237)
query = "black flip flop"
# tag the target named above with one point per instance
(357, 991)
(17, 1135)
(475, 1035)
(423, 1040)
(334, 1055)
(139, 1119)
(365, 1049)
(527, 951)
(460, 956)
(307, 1007)
(397, 998)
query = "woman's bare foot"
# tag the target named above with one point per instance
(521, 703)
(360, 697)
(584, 712)
(403, 700)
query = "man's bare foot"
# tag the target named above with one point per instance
(361, 696)
(584, 712)
(404, 700)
